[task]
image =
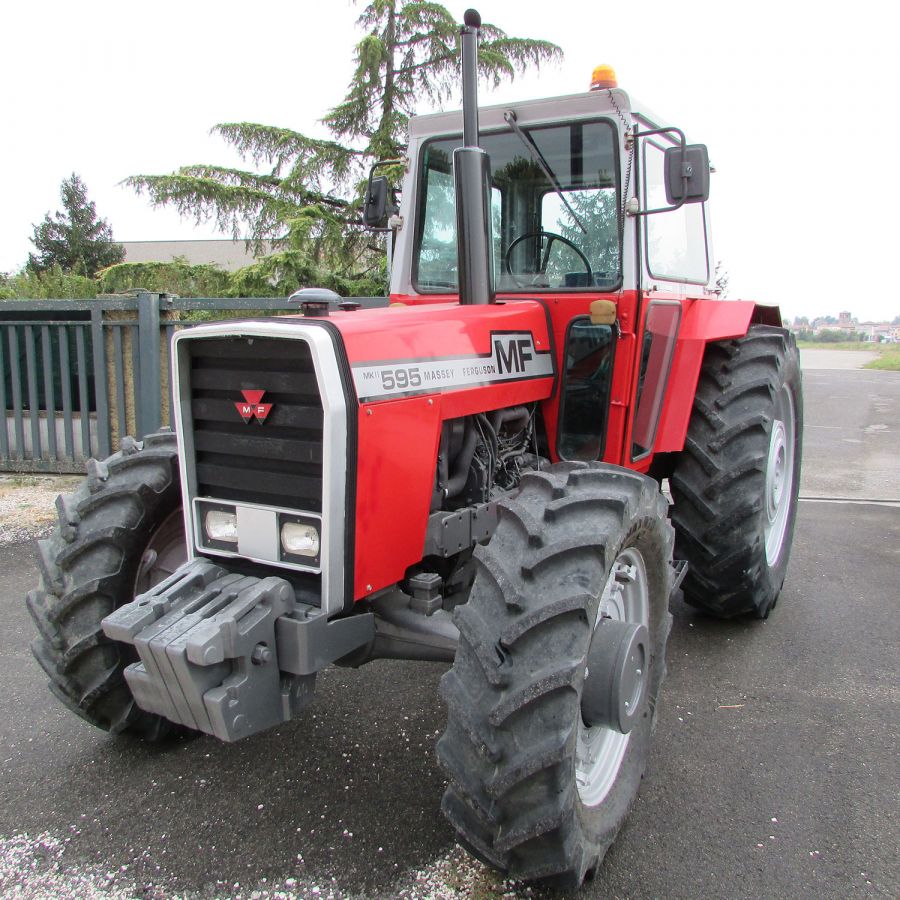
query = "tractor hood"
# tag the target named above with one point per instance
(448, 349)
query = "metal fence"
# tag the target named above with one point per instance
(78, 375)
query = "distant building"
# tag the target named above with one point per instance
(225, 253)
(877, 332)
(880, 332)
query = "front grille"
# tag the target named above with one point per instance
(277, 463)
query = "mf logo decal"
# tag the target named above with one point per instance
(513, 357)
(512, 354)
(251, 406)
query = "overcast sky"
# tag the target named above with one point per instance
(799, 103)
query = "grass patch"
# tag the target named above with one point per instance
(888, 359)
(838, 345)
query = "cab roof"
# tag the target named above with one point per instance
(588, 104)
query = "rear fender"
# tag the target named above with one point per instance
(703, 322)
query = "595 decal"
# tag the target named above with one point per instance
(513, 357)
(401, 379)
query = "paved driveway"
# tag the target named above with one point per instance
(775, 770)
(836, 359)
(851, 432)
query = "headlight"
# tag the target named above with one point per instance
(299, 539)
(221, 525)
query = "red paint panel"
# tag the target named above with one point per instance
(702, 321)
(468, 401)
(623, 378)
(399, 438)
(397, 459)
(435, 330)
(620, 399)
(713, 320)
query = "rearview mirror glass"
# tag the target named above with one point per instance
(687, 176)
(375, 211)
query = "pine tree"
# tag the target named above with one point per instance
(308, 195)
(594, 230)
(74, 240)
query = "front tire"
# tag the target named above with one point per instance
(736, 482)
(535, 791)
(119, 533)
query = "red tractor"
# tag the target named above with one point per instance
(474, 475)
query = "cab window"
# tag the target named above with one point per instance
(657, 349)
(437, 245)
(585, 390)
(675, 241)
(554, 202)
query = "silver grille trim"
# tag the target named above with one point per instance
(334, 449)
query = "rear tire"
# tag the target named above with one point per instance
(524, 795)
(736, 482)
(120, 532)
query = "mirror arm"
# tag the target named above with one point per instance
(684, 177)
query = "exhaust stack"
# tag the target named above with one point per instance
(472, 176)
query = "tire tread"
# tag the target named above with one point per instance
(718, 480)
(513, 694)
(106, 518)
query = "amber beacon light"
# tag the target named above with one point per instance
(603, 77)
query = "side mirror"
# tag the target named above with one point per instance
(375, 204)
(687, 174)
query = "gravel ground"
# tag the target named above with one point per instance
(27, 507)
(35, 867)
(32, 867)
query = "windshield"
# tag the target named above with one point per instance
(541, 240)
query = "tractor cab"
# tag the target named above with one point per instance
(578, 202)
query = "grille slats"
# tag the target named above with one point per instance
(300, 417)
(271, 483)
(259, 352)
(262, 446)
(277, 463)
(237, 380)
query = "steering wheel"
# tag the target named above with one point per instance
(542, 269)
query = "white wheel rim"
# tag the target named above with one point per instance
(599, 750)
(779, 490)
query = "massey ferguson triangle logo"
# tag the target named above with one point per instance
(251, 408)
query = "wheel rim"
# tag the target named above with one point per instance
(600, 750)
(166, 551)
(779, 490)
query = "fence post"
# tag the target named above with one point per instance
(149, 409)
(100, 385)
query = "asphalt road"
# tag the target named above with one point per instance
(823, 358)
(775, 770)
(852, 428)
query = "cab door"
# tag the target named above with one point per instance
(675, 269)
